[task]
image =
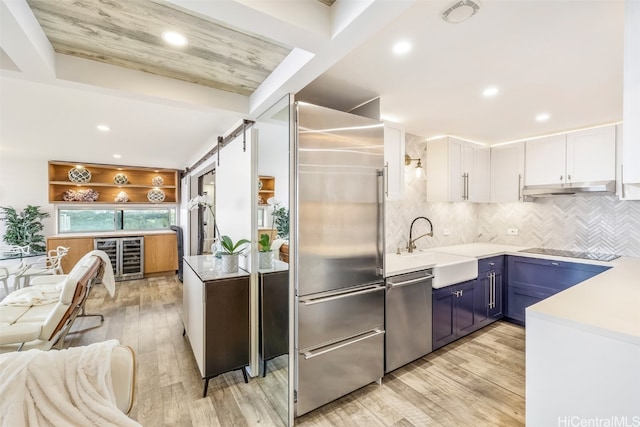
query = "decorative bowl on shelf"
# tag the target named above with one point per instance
(120, 179)
(157, 181)
(155, 196)
(79, 174)
(121, 197)
(88, 195)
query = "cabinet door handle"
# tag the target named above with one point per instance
(386, 179)
(467, 187)
(491, 290)
(622, 179)
(519, 186)
(569, 178)
(555, 263)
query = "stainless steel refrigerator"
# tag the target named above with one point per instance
(338, 265)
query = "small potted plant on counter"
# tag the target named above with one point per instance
(265, 254)
(230, 253)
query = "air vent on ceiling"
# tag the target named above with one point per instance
(460, 11)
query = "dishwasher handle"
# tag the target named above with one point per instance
(391, 284)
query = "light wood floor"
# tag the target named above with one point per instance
(475, 381)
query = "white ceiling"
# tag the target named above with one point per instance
(560, 57)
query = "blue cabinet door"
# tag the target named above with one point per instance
(490, 283)
(531, 280)
(444, 309)
(496, 311)
(521, 297)
(465, 319)
(454, 312)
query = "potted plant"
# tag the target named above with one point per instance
(280, 218)
(23, 228)
(265, 254)
(230, 253)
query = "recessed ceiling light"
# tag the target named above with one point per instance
(401, 48)
(490, 92)
(174, 38)
(117, 156)
(103, 128)
(543, 117)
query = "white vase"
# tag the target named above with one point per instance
(265, 260)
(229, 263)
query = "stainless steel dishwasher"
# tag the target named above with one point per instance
(407, 318)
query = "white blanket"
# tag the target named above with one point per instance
(59, 388)
(108, 280)
(34, 295)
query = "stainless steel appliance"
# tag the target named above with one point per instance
(408, 318)
(572, 254)
(338, 266)
(126, 255)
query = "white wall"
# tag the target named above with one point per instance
(273, 157)
(24, 181)
(234, 201)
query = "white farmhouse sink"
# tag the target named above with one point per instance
(447, 269)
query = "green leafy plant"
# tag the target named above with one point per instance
(264, 243)
(23, 228)
(229, 248)
(281, 221)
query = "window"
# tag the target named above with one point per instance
(84, 220)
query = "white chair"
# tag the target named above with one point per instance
(12, 267)
(49, 264)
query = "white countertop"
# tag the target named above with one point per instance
(607, 304)
(208, 268)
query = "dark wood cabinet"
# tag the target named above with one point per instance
(215, 314)
(531, 280)
(454, 313)
(274, 315)
(226, 323)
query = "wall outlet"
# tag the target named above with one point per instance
(446, 232)
(512, 231)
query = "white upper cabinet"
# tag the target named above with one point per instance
(546, 161)
(576, 157)
(630, 158)
(507, 173)
(457, 171)
(591, 155)
(394, 149)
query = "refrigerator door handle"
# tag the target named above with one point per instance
(392, 285)
(312, 301)
(311, 354)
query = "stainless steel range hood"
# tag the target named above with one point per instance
(599, 188)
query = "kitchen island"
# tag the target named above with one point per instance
(583, 351)
(215, 314)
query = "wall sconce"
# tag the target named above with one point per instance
(419, 170)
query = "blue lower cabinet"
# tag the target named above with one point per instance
(454, 312)
(531, 280)
(491, 284)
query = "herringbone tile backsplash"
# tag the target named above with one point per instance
(600, 224)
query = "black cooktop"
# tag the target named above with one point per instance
(572, 254)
